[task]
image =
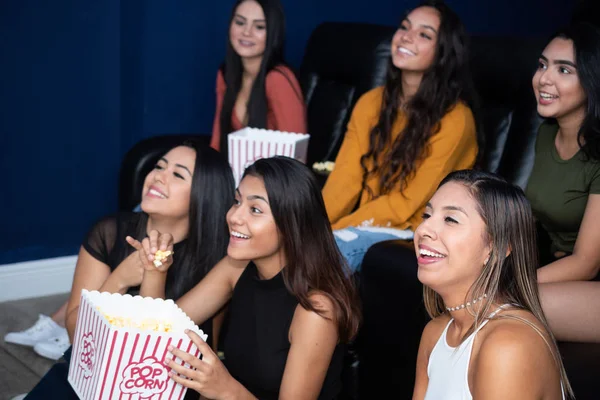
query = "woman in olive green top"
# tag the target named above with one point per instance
(564, 187)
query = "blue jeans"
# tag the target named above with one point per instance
(354, 242)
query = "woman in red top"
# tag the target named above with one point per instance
(254, 87)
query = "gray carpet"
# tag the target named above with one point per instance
(20, 367)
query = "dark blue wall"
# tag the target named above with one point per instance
(82, 81)
(59, 125)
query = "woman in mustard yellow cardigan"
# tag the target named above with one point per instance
(403, 138)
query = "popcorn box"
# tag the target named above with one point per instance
(250, 144)
(120, 345)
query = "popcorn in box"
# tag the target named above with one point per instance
(250, 144)
(120, 345)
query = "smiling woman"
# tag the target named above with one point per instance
(405, 136)
(564, 187)
(489, 337)
(185, 197)
(254, 86)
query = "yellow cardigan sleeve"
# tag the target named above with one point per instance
(453, 147)
(343, 187)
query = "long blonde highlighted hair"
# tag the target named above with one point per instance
(510, 272)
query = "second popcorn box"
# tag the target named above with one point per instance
(250, 144)
(120, 345)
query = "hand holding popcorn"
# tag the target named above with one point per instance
(156, 251)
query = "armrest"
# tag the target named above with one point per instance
(394, 317)
(140, 159)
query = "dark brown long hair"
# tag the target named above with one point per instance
(233, 70)
(586, 37)
(211, 193)
(445, 84)
(314, 263)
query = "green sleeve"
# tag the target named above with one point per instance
(595, 183)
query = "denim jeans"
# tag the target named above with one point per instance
(354, 242)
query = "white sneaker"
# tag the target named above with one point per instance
(43, 329)
(53, 348)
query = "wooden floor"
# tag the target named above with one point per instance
(20, 367)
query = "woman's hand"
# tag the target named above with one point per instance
(210, 378)
(130, 272)
(149, 246)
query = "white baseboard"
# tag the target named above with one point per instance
(36, 278)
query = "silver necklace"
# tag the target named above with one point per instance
(460, 307)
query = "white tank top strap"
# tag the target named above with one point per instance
(447, 326)
(448, 367)
(485, 321)
(490, 316)
(498, 310)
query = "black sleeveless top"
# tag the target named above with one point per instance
(256, 341)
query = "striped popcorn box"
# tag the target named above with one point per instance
(250, 144)
(120, 345)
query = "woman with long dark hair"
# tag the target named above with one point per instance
(405, 136)
(477, 260)
(292, 304)
(185, 197)
(255, 88)
(564, 187)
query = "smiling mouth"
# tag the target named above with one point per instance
(548, 96)
(239, 235)
(405, 51)
(156, 193)
(246, 43)
(430, 254)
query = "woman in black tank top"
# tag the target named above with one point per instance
(292, 303)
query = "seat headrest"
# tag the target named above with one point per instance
(502, 67)
(349, 53)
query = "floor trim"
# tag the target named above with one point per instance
(36, 278)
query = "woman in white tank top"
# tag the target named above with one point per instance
(488, 338)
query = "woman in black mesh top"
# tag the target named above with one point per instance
(185, 197)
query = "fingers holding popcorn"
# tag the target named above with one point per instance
(147, 249)
(154, 238)
(165, 242)
(163, 256)
(159, 259)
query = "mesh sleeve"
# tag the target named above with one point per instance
(100, 240)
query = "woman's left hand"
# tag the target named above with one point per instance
(210, 377)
